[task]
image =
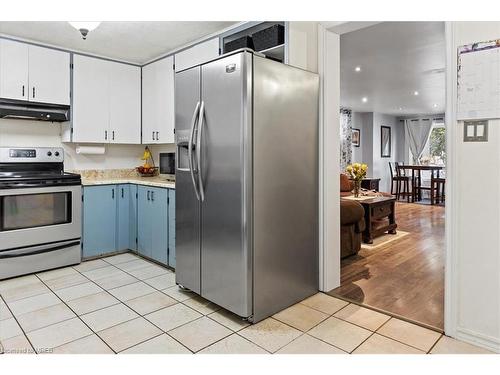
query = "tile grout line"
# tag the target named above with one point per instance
(433, 345)
(143, 316)
(401, 342)
(20, 327)
(78, 316)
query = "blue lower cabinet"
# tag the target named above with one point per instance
(144, 221)
(127, 216)
(171, 228)
(99, 220)
(159, 215)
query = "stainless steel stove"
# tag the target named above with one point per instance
(40, 211)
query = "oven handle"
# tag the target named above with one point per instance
(40, 251)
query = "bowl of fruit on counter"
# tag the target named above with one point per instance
(148, 169)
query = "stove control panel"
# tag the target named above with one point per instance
(31, 155)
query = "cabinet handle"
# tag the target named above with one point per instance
(112, 193)
(148, 196)
(113, 134)
(33, 91)
(152, 196)
(122, 192)
(157, 136)
(105, 135)
(23, 91)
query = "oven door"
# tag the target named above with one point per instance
(39, 216)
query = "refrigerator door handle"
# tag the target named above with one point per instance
(190, 150)
(198, 150)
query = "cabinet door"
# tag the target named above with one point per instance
(171, 228)
(144, 220)
(99, 220)
(158, 112)
(90, 100)
(13, 70)
(197, 54)
(124, 103)
(159, 217)
(49, 75)
(132, 232)
(123, 217)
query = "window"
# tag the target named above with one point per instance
(435, 149)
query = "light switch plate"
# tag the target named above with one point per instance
(476, 131)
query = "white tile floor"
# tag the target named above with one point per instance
(125, 304)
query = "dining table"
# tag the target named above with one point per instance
(416, 177)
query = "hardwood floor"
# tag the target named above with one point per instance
(404, 277)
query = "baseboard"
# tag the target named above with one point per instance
(478, 339)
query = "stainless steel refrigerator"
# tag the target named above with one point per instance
(247, 183)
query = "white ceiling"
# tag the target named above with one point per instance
(136, 42)
(396, 59)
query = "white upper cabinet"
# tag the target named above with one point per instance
(197, 54)
(49, 75)
(90, 100)
(13, 70)
(158, 111)
(33, 73)
(125, 103)
(106, 101)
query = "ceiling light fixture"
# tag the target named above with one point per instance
(415, 93)
(84, 27)
(357, 69)
(364, 99)
(435, 105)
(400, 108)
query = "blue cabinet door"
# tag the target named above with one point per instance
(171, 228)
(159, 216)
(123, 217)
(144, 220)
(99, 220)
(132, 217)
(127, 217)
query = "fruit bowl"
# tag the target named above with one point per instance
(147, 171)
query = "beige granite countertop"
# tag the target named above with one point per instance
(148, 181)
(121, 176)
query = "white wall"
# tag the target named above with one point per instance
(369, 123)
(473, 218)
(380, 165)
(23, 133)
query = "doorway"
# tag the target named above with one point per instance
(392, 78)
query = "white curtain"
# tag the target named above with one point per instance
(417, 132)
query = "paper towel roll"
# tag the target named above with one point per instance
(91, 150)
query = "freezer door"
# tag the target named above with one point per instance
(225, 130)
(187, 205)
(285, 186)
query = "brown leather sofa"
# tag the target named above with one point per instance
(352, 222)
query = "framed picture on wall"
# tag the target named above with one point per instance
(385, 141)
(356, 137)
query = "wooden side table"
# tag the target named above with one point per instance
(378, 208)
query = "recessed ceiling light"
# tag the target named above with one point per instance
(400, 108)
(435, 105)
(357, 69)
(415, 93)
(364, 99)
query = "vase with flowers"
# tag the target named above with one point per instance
(356, 172)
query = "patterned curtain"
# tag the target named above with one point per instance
(345, 138)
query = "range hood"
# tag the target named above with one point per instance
(23, 110)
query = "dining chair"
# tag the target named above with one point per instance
(399, 182)
(437, 189)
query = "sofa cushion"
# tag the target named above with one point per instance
(351, 212)
(346, 185)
